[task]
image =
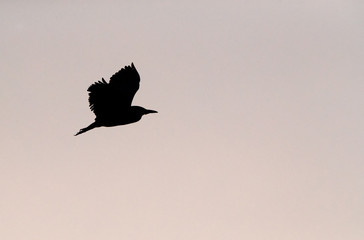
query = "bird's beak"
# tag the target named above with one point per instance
(149, 111)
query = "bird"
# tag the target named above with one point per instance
(111, 102)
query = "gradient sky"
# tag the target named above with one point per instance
(259, 134)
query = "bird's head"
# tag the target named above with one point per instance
(142, 111)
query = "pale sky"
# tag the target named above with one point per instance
(259, 135)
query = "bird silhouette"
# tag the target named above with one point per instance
(111, 102)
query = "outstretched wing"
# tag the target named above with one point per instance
(106, 98)
(126, 82)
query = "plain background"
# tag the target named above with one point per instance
(259, 134)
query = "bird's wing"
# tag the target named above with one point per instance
(106, 98)
(126, 83)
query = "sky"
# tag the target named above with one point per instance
(259, 132)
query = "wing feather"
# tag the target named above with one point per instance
(106, 98)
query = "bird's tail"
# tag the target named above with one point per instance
(91, 126)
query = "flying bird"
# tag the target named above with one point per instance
(111, 102)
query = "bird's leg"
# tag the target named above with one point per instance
(91, 126)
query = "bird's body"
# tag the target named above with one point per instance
(131, 115)
(111, 102)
